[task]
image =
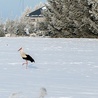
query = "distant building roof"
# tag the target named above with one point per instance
(36, 13)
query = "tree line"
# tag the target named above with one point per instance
(16, 26)
(63, 18)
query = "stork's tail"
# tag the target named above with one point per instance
(33, 60)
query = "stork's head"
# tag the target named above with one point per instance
(20, 49)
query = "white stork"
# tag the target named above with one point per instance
(25, 57)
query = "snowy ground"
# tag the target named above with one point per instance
(67, 68)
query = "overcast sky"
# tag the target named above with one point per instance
(13, 8)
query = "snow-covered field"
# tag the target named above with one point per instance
(67, 68)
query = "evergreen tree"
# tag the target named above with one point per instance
(71, 18)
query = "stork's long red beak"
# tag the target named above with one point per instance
(19, 49)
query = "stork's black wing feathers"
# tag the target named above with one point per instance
(28, 57)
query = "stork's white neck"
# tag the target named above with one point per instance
(22, 53)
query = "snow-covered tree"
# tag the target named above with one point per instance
(23, 18)
(71, 18)
(11, 26)
(93, 21)
(2, 34)
(1, 28)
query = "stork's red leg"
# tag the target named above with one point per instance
(25, 63)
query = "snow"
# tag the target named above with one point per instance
(66, 68)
